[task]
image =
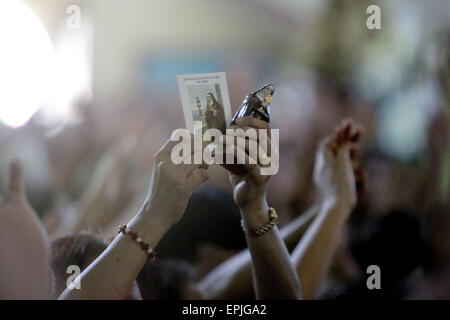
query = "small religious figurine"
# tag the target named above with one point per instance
(257, 105)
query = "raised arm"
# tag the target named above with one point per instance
(273, 273)
(24, 247)
(335, 180)
(111, 275)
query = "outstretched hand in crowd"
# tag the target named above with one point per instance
(336, 173)
(337, 179)
(24, 247)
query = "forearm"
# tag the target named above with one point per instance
(231, 280)
(294, 231)
(313, 254)
(112, 274)
(273, 273)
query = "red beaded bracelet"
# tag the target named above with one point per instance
(145, 246)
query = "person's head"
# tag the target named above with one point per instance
(211, 217)
(167, 280)
(393, 243)
(79, 249)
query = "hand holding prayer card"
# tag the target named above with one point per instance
(206, 105)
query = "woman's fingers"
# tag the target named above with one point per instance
(249, 133)
(250, 164)
(347, 137)
(165, 150)
(249, 146)
(188, 142)
(256, 151)
(252, 122)
(234, 154)
(264, 140)
(347, 132)
(196, 178)
(257, 147)
(328, 147)
(195, 162)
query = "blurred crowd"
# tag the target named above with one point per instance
(91, 174)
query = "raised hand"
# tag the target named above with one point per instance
(250, 189)
(15, 207)
(336, 180)
(172, 184)
(274, 273)
(24, 247)
(336, 174)
(112, 274)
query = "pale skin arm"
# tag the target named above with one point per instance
(335, 180)
(314, 253)
(24, 246)
(112, 274)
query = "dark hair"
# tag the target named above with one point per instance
(395, 245)
(76, 250)
(211, 217)
(164, 279)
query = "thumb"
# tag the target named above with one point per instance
(15, 187)
(197, 177)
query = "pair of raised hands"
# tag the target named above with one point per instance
(172, 184)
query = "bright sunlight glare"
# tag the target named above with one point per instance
(26, 63)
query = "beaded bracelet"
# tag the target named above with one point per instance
(265, 228)
(145, 246)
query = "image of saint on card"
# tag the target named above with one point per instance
(205, 100)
